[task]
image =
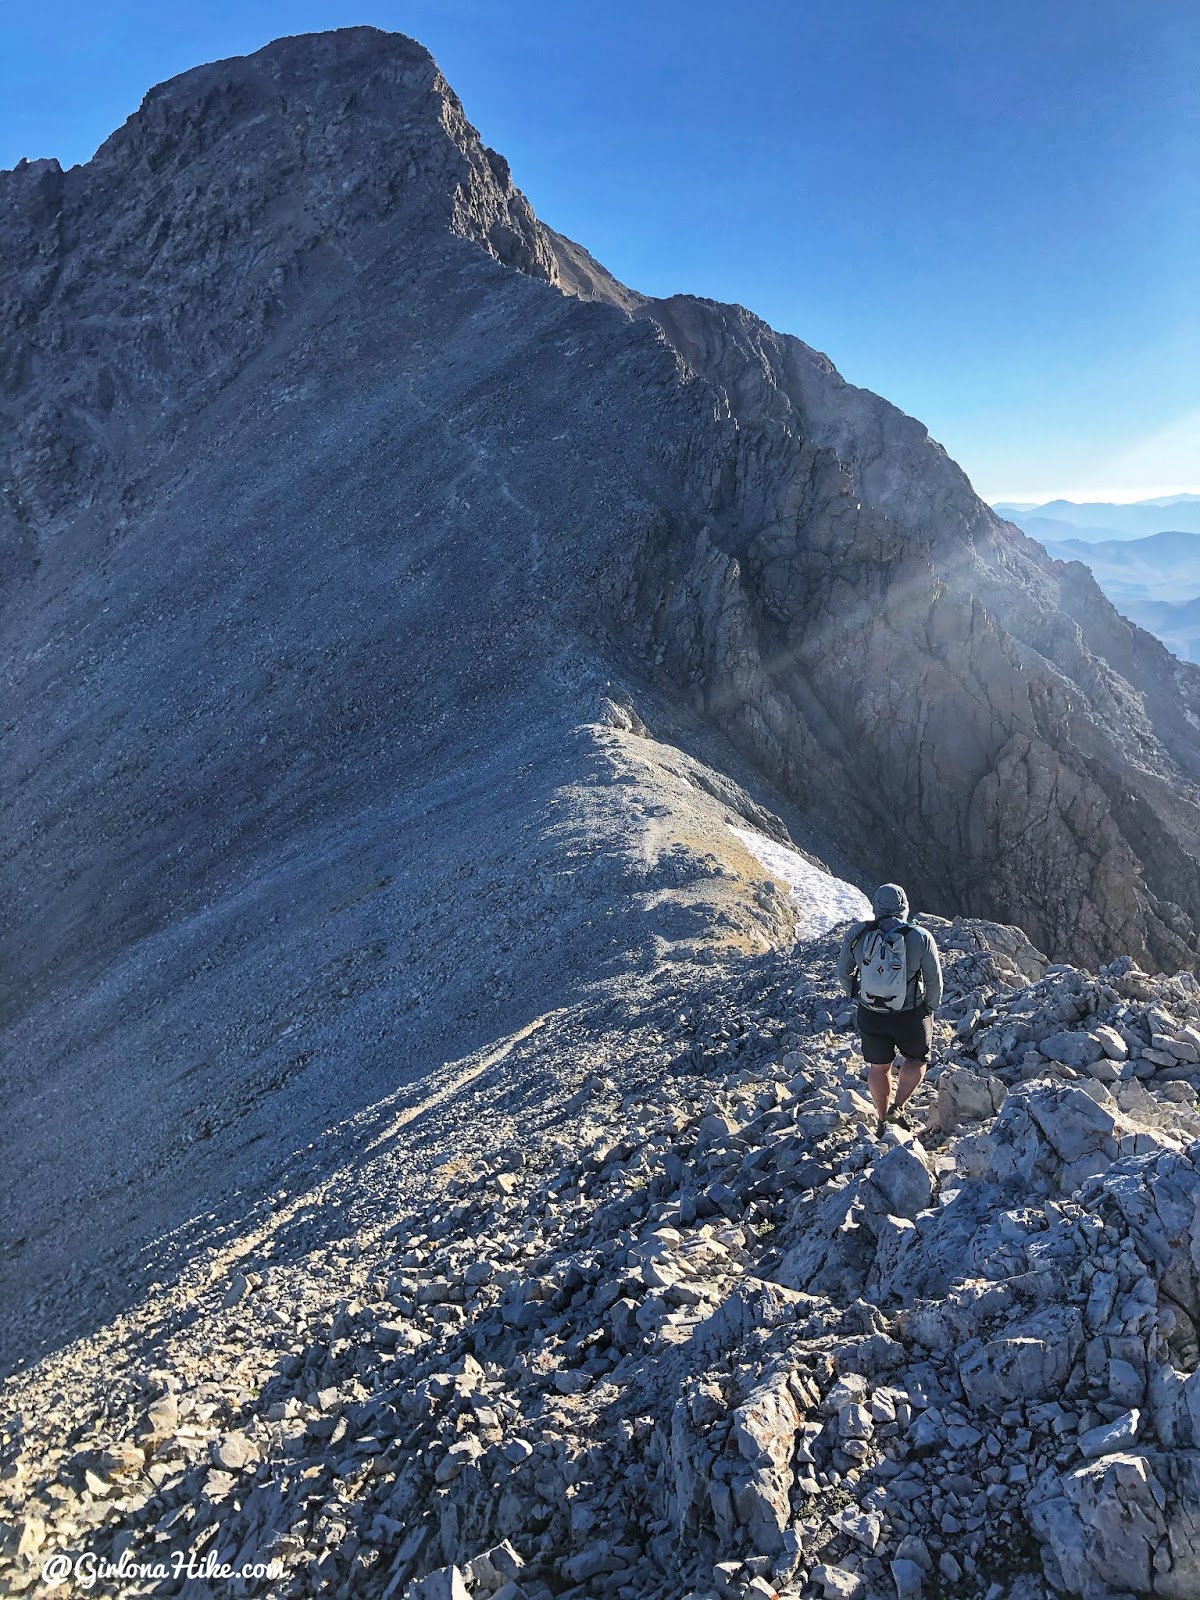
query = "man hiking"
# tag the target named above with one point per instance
(894, 970)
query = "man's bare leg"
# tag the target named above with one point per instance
(879, 1082)
(908, 1080)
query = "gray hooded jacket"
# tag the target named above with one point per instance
(922, 961)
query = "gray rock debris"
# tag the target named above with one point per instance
(992, 1364)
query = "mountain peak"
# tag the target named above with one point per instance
(234, 180)
(299, 72)
(324, 531)
(355, 122)
(305, 63)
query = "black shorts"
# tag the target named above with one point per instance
(886, 1032)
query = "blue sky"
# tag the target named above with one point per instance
(989, 213)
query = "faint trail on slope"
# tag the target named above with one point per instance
(455, 1085)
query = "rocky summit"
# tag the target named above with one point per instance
(453, 705)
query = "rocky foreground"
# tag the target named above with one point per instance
(693, 1329)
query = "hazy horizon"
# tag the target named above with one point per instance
(1089, 497)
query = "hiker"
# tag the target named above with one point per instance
(894, 970)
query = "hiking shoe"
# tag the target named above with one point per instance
(901, 1119)
(880, 1127)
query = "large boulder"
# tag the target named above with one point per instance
(1071, 1049)
(900, 1183)
(965, 1096)
(1157, 1198)
(1028, 1362)
(763, 1434)
(1125, 1523)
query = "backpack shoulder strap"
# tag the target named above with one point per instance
(915, 942)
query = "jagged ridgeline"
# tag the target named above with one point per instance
(414, 643)
(315, 436)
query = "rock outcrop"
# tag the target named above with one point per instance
(848, 609)
(695, 1330)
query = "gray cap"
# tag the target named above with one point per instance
(890, 901)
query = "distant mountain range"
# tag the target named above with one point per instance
(1175, 622)
(1145, 579)
(1152, 577)
(1164, 566)
(1099, 519)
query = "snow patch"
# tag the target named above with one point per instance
(821, 900)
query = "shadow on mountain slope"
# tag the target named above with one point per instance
(351, 975)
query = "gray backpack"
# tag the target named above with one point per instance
(883, 968)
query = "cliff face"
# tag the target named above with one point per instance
(891, 652)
